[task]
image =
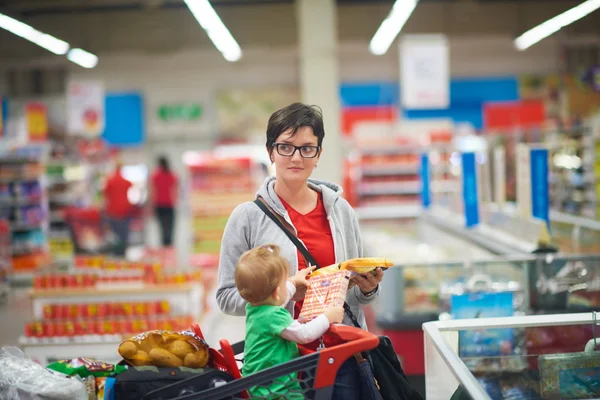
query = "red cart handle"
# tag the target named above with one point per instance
(330, 359)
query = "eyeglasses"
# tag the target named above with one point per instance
(288, 150)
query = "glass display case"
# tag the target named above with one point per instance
(538, 357)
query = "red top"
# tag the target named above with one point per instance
(164, 185)
(115, 195)
(315, 232)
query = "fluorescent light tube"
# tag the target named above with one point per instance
(42, 39)
(215, 29)
(555, 24)
(82, 58)
(391, 26)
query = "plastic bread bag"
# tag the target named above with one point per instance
(165, 349)
(23, 379)
(356, 266)
(324, 291)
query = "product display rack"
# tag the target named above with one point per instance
(216, 186)
(102, 301)
(591, 168)
(23, 203)
(387, 176)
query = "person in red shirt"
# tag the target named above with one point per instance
(117, 208)
(163, 195)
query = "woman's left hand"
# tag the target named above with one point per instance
(368, 282)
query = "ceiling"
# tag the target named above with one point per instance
(161, 26)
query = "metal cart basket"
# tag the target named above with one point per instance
(314, 372)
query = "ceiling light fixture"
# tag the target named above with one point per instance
(555, 24)
(215, 29)
(82, 58)
(391, 26)
(27, 32)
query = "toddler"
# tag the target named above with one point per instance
(261, 277)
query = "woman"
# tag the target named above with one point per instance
(163, 196)
(323, 221)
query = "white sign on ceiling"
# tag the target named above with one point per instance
(424, 72)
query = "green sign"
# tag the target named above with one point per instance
(179, 112)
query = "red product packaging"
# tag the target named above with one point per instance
(48, 311)
(71, 281)
(324, 291)
(73, 311)
(118, 326)
(59, 329)
(69, 328)
(79, 328)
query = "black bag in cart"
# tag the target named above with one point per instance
(139, 382)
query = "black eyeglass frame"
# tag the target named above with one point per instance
(296, 148)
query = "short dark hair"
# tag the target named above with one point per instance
(164, 163)
(293, 117)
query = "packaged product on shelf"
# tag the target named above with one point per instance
(166, 349)
(324, 291)
(21, 377)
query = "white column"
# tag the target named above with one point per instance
(319, 77)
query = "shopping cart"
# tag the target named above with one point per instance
(316, 371)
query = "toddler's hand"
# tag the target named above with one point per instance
(299, 280)
(335, 315)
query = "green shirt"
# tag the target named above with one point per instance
(264, 348)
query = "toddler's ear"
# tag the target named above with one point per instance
(276, 294)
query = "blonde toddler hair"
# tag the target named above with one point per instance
(259, 272)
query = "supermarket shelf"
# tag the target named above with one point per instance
(22, 227)
(20, 202)
(487, 237)
(65, 292)
(388, 211)
(19, 180)
(16, 159)
(390, 188)
(72, 341)
(387, 170)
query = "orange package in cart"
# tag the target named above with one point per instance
(324, 291)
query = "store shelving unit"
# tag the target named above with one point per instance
(23, 203)
(101, 301)
(216, 186)
(387, 178)
(591, 168)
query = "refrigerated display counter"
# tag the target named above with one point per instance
(538, 357)
(413, 294)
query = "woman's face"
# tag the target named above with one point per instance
(295, 168)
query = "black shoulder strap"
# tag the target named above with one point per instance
(303, 250)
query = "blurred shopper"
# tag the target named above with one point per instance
(315, 211)
(117, 208)
(163, 197)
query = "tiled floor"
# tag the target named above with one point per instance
(13, 315)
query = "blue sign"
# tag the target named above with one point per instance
(425, 181)
(540, 204)
(469, 181)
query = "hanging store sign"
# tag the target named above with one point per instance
(469, 186)
(85, 108)
(424, 72)
(36, 119)
(540, 201)
(425, 181)
(179, 112)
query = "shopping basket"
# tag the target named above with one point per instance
(316, 371)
